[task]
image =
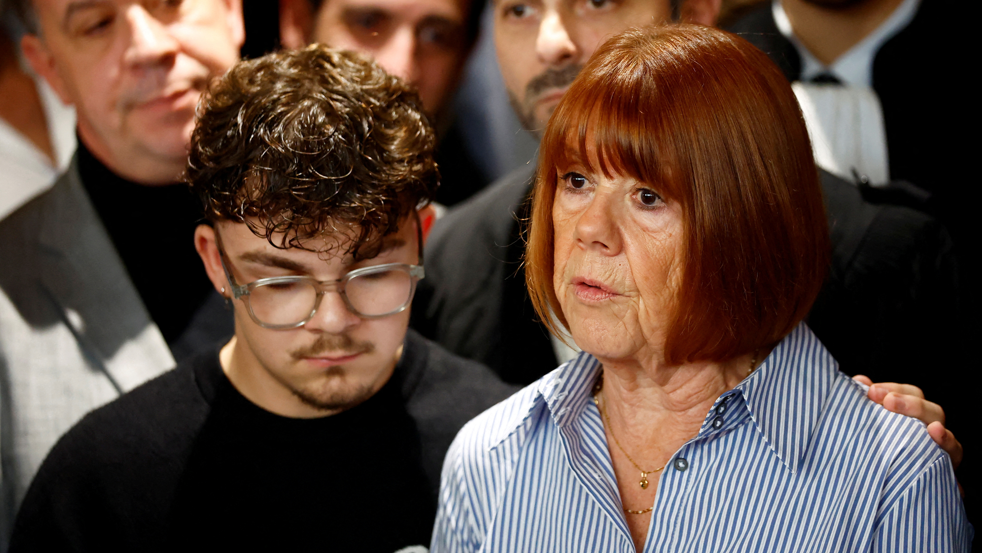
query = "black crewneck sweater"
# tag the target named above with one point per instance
(186, 463)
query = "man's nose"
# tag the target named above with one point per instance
(554, 46)
(398, 54)
(150, 40)
(332, 316)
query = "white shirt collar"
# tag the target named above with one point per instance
(854, 67)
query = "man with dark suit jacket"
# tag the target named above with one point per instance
(905, 52)
(912, 65)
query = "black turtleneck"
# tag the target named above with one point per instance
(152, 228)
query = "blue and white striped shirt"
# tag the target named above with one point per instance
(795, 458)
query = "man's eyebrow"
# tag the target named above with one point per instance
(76, 7)
(270, 260)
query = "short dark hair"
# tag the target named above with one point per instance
(296, 143)
(710, 122)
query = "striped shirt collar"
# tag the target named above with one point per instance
(784, 396)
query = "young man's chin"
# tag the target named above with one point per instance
(335, 398)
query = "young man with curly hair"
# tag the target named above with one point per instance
(322, 423)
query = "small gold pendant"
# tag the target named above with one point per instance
(644, 481)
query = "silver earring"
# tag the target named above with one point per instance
(223, 290)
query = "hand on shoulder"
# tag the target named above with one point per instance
(906, 399)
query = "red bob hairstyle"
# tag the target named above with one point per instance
(710, 122)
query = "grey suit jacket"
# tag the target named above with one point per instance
(74, 333)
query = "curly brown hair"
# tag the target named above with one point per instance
(303, 143)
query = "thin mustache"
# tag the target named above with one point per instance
(552, 78)
(332, 342)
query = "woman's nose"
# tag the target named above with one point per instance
(597, 226)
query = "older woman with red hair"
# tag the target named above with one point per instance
(678, 236)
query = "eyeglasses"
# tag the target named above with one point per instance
(291, 301)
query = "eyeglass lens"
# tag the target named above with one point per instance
(372, 294)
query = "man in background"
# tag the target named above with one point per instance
(426, 42)
(99, 287)
(322, 424)
(878, 81)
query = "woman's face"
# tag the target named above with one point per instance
(617, 263)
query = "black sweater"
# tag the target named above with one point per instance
(185, 462)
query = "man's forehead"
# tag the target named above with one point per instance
(339, 242)
(449, 9)
(58, 12)
(642, 8)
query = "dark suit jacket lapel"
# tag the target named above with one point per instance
(758, 28)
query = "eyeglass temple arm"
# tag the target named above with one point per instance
(237, 291)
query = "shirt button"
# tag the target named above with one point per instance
(681, 464)
(718, 422)
(721, 409)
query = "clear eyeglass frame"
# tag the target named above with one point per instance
(240, 291)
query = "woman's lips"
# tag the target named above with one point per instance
(591, 290)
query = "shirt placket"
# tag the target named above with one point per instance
(672, 510)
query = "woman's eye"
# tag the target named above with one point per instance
(648, 197)
(574, 180)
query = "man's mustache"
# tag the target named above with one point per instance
(331, 343)
(552, 78)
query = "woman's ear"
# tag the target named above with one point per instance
(207, 247)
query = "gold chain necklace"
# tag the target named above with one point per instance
(597, 390)
(644, 473)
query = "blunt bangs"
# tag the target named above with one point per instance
(597, 125)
